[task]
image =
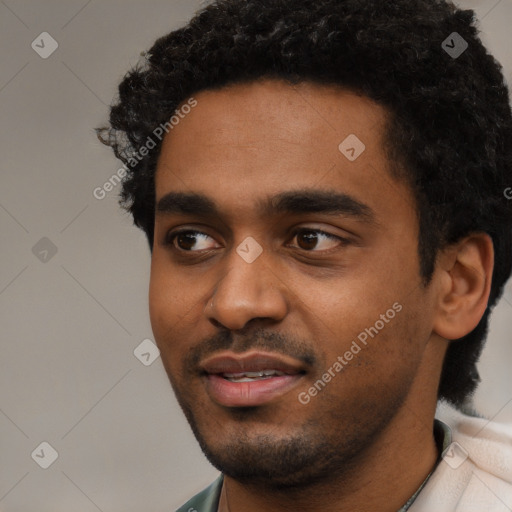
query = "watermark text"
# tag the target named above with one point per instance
(343, 360)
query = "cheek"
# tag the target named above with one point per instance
(158, 297)
(176, 305)
(381, 368)
(376, 332)
(164, 312)
(166, 304)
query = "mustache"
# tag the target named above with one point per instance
(258, 339)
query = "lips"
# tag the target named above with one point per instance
(251, 379)
(251, 376)
(229, 362)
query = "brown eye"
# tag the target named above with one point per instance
(189, 241)
(185, 241)
(310, 239)
(307, 240)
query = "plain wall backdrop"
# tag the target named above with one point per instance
(74, 272)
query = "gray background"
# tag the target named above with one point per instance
(70, 321)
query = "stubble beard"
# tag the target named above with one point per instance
(323, 450)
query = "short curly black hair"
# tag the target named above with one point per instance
(450, 122)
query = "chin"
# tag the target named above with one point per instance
(258, 455)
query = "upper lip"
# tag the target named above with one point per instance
(229, 362)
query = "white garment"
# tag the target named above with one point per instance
(475, 474)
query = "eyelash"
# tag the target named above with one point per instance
(171, 237)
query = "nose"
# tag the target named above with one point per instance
(247, 291)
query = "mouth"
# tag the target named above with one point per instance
(252, 376)
(250, 379)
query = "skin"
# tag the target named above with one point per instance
(365, 441)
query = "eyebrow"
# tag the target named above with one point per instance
(292, 202)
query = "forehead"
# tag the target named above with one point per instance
(272, 113)
(247, 141)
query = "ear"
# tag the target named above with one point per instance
(464, 278)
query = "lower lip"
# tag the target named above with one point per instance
(248, 394)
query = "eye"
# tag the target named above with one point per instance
(309, 239)
(190, 241)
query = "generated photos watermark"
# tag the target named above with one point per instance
(357, 345)
(158, 133)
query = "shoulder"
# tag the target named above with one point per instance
(476, 471)
(206, 501)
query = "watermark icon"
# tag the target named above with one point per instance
(44, 250)
(44, 455)
(455, 455)
(454, 45)
(44, 45)
(508, 193)
(151, 142)
(146, 352)
(351, 147)
(304, 397)
(249, 250)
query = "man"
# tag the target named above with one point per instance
(322, 185)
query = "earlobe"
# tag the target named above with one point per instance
(464, 277)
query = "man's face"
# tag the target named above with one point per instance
(294, 251)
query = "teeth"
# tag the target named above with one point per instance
(250, 376)
(272, 372)
(254, 375)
